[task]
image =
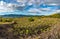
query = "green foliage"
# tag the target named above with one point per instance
(31, 19)
(0, 20)
(24, 31)
(6, 20)
(55, 15)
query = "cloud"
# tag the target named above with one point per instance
(57, 11)
(6, 7)
(29, 2)
(35, 10)
(21, 1)
(10, 7)
(45, 9)
(52, 2)
(41, 1)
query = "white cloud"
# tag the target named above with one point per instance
(6, 7)
(52, 2)
(33, 10)
(41, 1)
(29, 2)
(21, 1)
(46, 9)
(57, 11)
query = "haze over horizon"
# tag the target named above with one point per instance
(29, 7)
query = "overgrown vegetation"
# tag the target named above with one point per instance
(30, 27)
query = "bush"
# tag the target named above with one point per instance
(7, 20)
(0, 20)
(31, 19)
(26, 31)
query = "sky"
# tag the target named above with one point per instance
(29, 7)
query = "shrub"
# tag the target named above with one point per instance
(0, 20)
(31, 19)
(7, 20)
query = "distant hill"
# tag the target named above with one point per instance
(20, 15)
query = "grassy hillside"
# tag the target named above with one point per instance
(36, 27)
(55, 15)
